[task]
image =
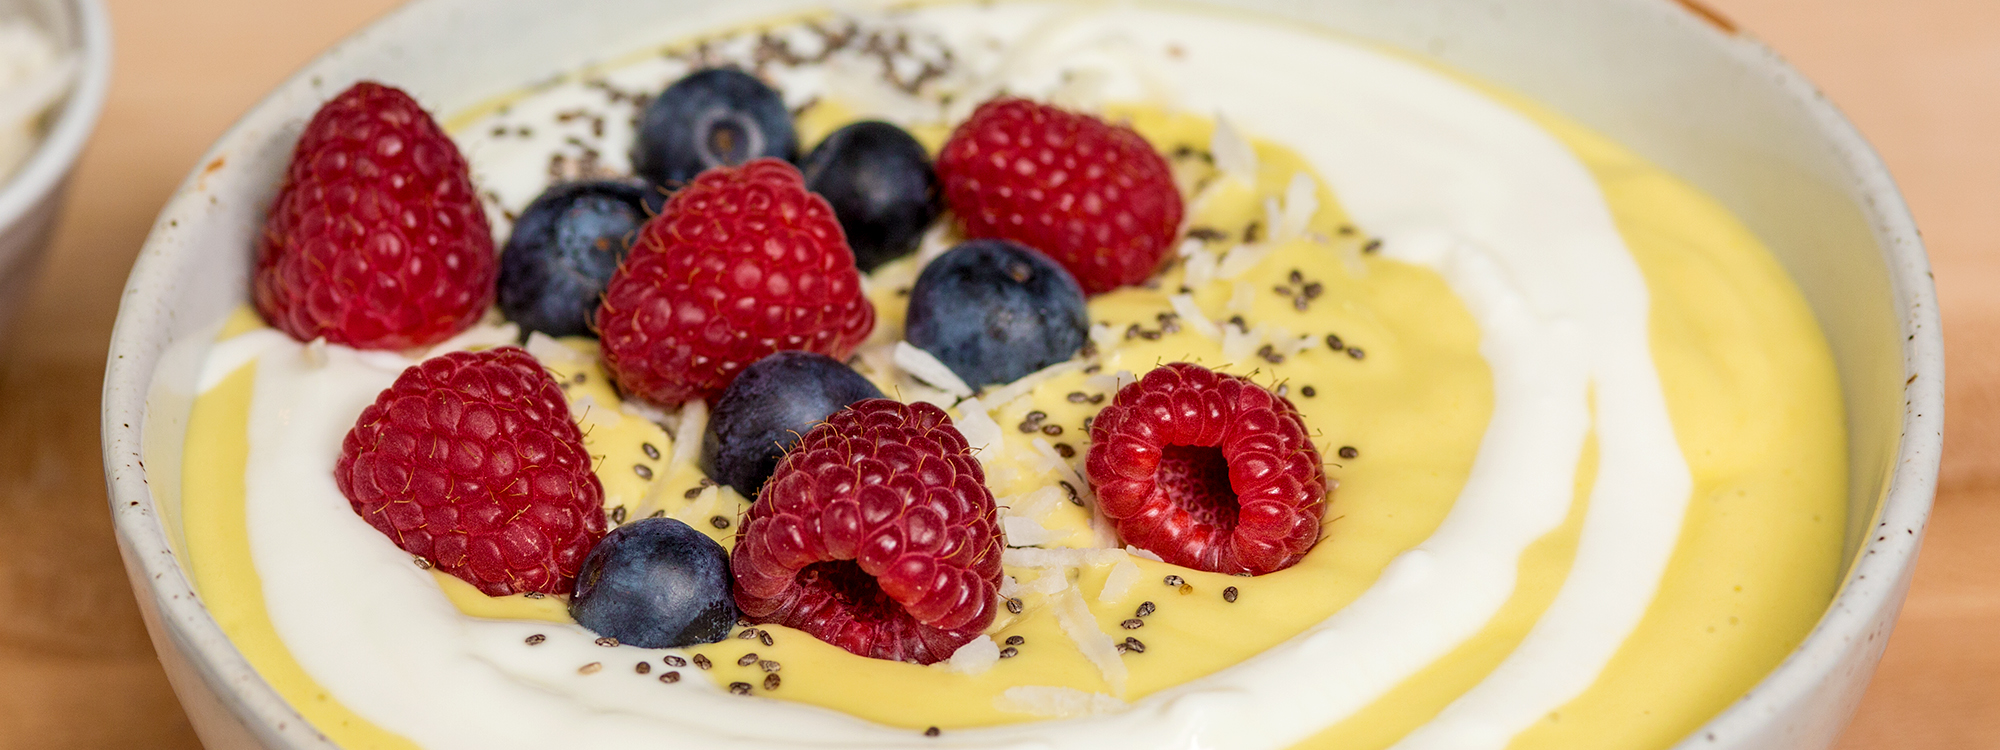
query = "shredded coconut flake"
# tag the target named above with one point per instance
(1193, 317)
(1052, 581)
(980, 431)
(1241, 259)
(687, 437)
(1233, 155)
(1145, 553)
(1062, 466)
(1238, 345)
(1105, 338)
(1188, 247)
(975, 657)
(924, 367)
(1009, 588)
(1021, 386)
(590, 414)
(1055, 702)
(1081, 626)
(315, 353)
(1022, 531)
(1062, 557)
(1119, 580)
(1034, 504)
(1301, 202)
(1199, 268)
(1239, 298)
(548, 349)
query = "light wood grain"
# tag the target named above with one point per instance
(1920, 77)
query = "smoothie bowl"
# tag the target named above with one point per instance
(1177, 375)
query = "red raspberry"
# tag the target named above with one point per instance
(470, 461)
(1208, 471)
(877, 534)
(377, 239)
(1092, 195)
(741, 263)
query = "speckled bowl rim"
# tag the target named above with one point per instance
(1868, 601)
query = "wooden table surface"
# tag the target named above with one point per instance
(1921, 77)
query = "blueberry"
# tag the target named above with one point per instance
(655, 583)
(563, 251)
(766, 409)
(881, 185)
(712, 118)
(994, 310)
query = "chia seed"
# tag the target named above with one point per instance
(591, 668)
(1009, 652)
(769, 665)
(720, 522)
(1064, 450)
(1052, 430)
(1349, 451)
(747, 634)
(1014, 605)
(931, 732)
(739, 688)
(1174, 580)
(1136, 645)
(1229, 595)
(1015, 640)
(618, 513)
(747, 659)
(644, 667)
(645, 472)
(1146, 609)
(650, 451)
(1132, 624)
(771, 682)
(537, 639)
(670, 677)
(1308, 392)
(702, 662)
(1355, 352)
(1333, 342)
(608, 642)
(675, 661)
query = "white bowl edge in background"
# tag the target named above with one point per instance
(1742, 124)
(31, 199)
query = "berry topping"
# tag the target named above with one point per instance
(470, 461)
(376, 239)
(1092, 195)
(741, 263)
(877, 534)
(882, 188)
(768, 407)
(717, 117)
(655, 583)
(1208, 471)
(563, 251)
(993, 311)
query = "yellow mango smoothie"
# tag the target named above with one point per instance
(1583, 439)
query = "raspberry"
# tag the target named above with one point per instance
(470, 461)
(1092, 195)
(1208, 471)
(877, 534)
(741, 263)
(377, 239)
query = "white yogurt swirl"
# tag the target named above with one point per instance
(1450, 178)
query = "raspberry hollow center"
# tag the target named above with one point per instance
(1196, 478)
(855, 592)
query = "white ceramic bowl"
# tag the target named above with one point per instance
(1672, 83)
(32, 196)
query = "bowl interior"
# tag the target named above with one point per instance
(1675, 86)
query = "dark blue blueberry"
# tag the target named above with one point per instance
(564, 249)
(712, 118)
(768, 407)
(994, 310)
(655, 583)
(881, 185)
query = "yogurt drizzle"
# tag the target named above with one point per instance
(1450, 179)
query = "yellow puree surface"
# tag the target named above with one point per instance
(1749, 383)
